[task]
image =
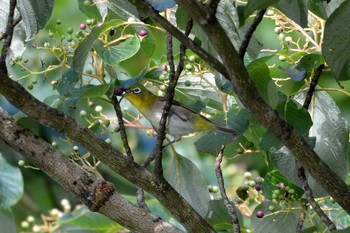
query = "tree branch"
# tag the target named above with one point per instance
(230, 209)
(244, 45)
(246, 91)
(9, 33)
(94, 192)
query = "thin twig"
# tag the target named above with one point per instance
(9, 33)
(301, 217)
(169, 95)
(247, 37)
(301, 171)
(230, 209)
(123, 134)
(15, 22)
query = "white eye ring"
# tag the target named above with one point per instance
(136, 90)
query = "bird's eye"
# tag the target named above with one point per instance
(136, 90)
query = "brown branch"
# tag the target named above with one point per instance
(123, 134)
(95, 193)
(247, 37)
(302, 216)
(248, 94)
(9, 33)
(169, 95)
(230, 209)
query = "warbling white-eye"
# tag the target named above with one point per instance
(181, 120)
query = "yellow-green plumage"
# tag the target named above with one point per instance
(181, 120)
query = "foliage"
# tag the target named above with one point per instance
(76, 70)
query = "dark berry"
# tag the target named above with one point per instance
(260, 214)
(257, 187)
(100, 24)
(142, 32)
(164, 67)
(119, 91)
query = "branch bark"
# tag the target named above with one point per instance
(94, 192)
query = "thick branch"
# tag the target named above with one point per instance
(95, 193)
(268, 117)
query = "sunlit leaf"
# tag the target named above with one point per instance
(112, 55)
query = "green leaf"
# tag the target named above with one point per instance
(274, 222)
(84, 218)
(11, 184)
(324, 9)
(296, 10)
(227, 16)
(218, 217)
(7, 221)
(68, 81)
(336, 40)
(96, 91)
(332, 140)
(113, 55)
(187, 179)
(35, 14)
(295, 115)
(260, 74)
(273, 178)
(53, 101)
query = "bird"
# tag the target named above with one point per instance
(181, 120)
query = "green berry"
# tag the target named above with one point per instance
(88, 71)
(75, 148)
(69, 30)
(58, 22)
(106, 123)
(25, 224)
(96, 122)
(50, 34)
(288, 39)
(259, 180)
(46, 44)
(30, 87)
(251, 183)
(192, 58)
(83, 113)
(25, 60)
(281, 36)
(270, 12)
(248, 175)
(271, 208)
(282, 58)
(34, 82)
(162, 77)
(277, 30)
(54, 144)
(188, 83)
(189, 67)
(98, 108)
(86, 3)
(21, 163)
(89, 22)
(69, 38)
(91, 103)
(117, 129)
